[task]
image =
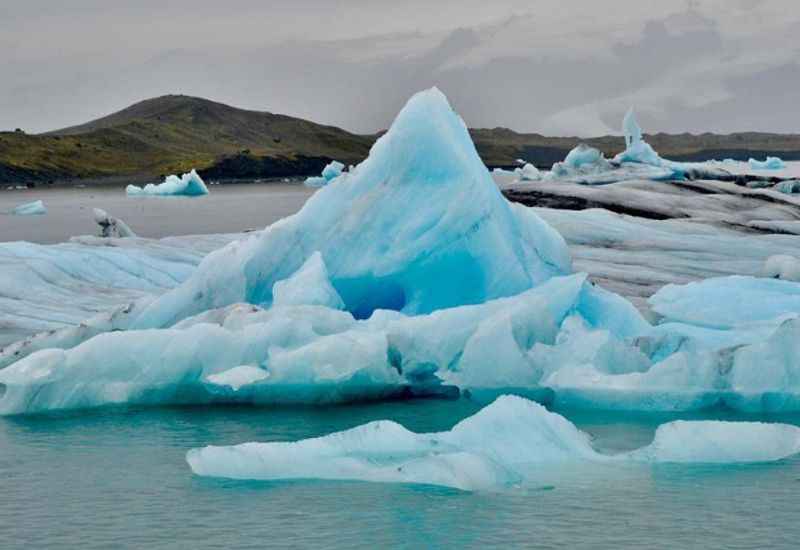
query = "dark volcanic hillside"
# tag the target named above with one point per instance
(172, 134)
(175, 133)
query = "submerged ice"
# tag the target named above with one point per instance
(506, 444)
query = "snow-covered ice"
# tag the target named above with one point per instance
(504, 445)
(190, 185)
(29, 209)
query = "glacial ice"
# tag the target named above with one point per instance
(528, 172)
(789, 186)
(782, 266)
(506, 444)
(308, 286)
(771, 163)
(190, 185)
(583, 155)
(238, 377)
(421, 208)
(636, 148)
(757, 300)
(29, 209)
(332, 170)
(413, 273)
(111, 226)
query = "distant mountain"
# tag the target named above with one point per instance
(174, 133)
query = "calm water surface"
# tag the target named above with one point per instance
(229, 208)
(118, 477)
(96, 479)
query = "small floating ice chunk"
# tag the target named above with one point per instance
(238, 377)
(30, 209)
(771, 163)
(190, 185)
(111, 226)
(332, 170)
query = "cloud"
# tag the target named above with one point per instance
(716, 65)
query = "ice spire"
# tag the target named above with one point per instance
(631, 129)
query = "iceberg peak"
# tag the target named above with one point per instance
(631, 129)
(418, 226)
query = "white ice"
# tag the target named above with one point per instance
(190, 184)
(29, 209)
(506, 444)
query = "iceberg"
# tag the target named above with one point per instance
(393, 234)
(636, 148)
(771, 163)
(506, 444)
(414, 275)
(528, 172)
(782, 266)
(580, 162)
(111, 226)
(332, 170)
(757, 300)
(789, 187)
(29, 209)
(353, 246)
(190, 185)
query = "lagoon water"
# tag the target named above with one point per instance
(230, 208)
(118, 478)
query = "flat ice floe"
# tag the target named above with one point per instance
(506, 444)
(189, 185)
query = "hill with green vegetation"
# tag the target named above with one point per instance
(172, 134)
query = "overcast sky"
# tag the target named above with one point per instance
(564, 67)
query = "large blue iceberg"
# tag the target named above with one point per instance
(413, 275)
(507, 444)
